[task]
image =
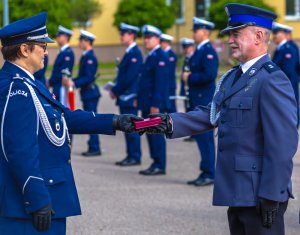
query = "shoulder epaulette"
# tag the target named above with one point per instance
(17, 77)
(271, 67)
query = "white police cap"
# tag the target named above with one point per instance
(127, 28)
(150, 30)
(87, 35)
(166, 37)
(276, 27)
(202, 24)
(186, 42)
(63, 30)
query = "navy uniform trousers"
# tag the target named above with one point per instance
(245, 221)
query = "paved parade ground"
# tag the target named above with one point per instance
(116, 200)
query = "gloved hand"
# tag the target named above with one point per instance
(165, 127)
(41, 219)
(268, 210)
(124, 122)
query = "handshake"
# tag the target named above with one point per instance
(157, 123)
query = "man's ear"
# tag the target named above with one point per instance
(259, 36)
(24, 50)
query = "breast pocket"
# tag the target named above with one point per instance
(239, 111)
(55, 119)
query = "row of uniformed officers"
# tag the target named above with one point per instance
(35, 126)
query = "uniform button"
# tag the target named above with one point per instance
(27, 203)
(254, 167)
(69, 161)
(240, 105)
(51, 181)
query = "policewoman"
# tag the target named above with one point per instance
(165, 43)
(201, 79)
(255, 110)
(286, 56)
(86, 81)
(153, 94)
(126, 88)
(64, 60)
(37, 188)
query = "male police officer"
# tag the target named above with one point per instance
(286, 56)
(37, 186)
(255, 110)
(153, 95)
(64, 60)
(89, 90)
(188, 47)
(165, 43)
(126, 88)
(201, 82)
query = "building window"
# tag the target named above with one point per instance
(180, 9)
(292, 9)
(201, 8)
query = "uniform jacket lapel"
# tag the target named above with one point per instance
(244, 79)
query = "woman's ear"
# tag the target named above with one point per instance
(24, 50)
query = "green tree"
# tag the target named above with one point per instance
(141, 12)
(218, 15)
(82, 11)
(58, 12)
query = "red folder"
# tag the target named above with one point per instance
(147, 123)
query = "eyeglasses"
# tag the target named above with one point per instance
(44, 46)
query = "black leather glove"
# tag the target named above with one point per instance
(165, 127)
(41, 219)
(268, 210)
(124, 122)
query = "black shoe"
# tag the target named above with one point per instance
(128, 162)
(153, 171)
(189, 139)
(91, 153)
(204, 182)
(193, 182)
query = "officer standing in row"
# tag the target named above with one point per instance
(188, 47)
(201, 79)
(86, 81)
(37, 186)
(41, 74)
(255, 110)
(286, 56)
(165, 43)
(64, 60)
(126, 88)
(153, 94)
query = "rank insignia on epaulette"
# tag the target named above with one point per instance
(18, 77)
(271, 67)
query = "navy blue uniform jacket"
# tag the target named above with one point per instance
(204, 65)
(33, 171)
(153, 81)
(287, 58)
(126, 87)
(257, 135)
(65, 59)
(86, 78)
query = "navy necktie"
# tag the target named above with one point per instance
(238, 74)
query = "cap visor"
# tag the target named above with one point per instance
(230, 28)
(46, 40)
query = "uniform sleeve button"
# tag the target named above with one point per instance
(51, 181)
